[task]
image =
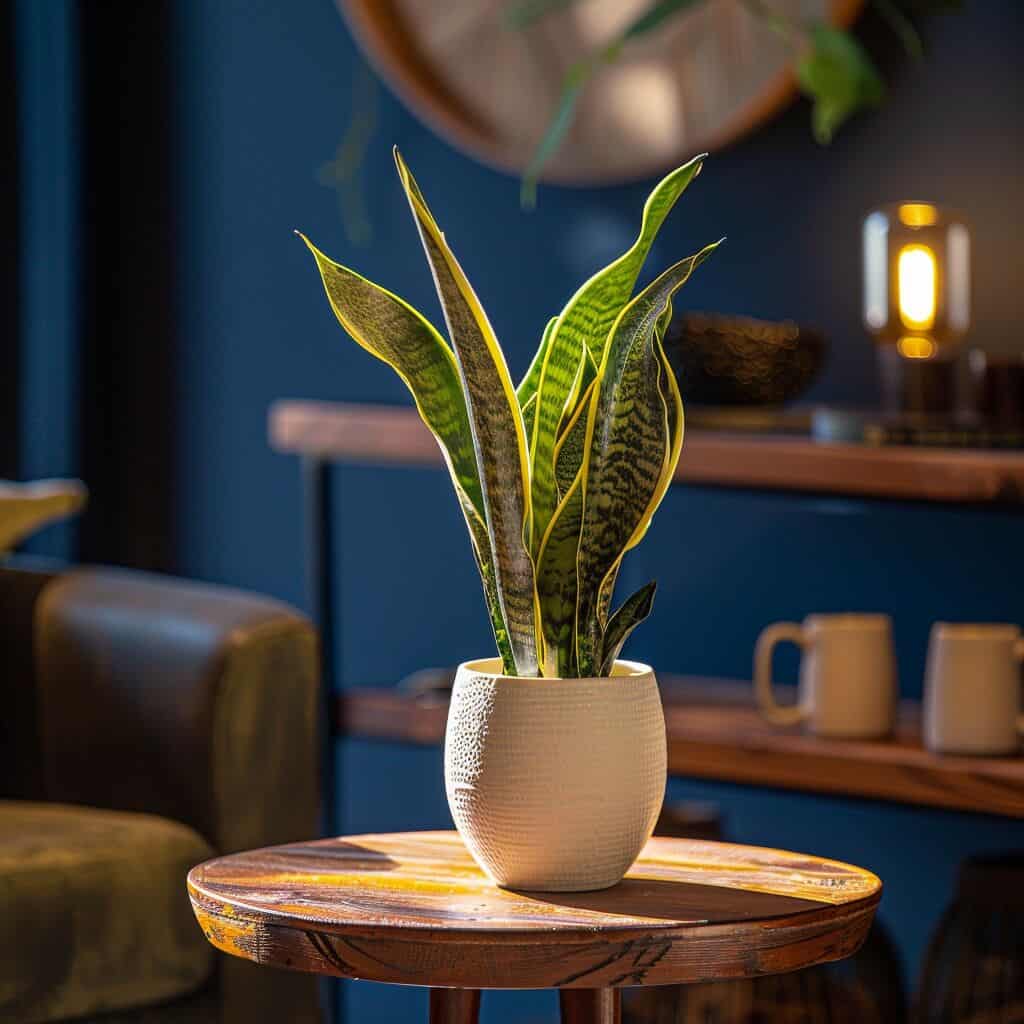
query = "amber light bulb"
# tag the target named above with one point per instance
(917, 278)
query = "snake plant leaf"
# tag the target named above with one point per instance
(627, 617)
(669, 387)
(556, 582)
(390, 329)
(394, 332)
(607, 591)
(526, 393)
(482, 553)
(676, 420)
(498, 434)
(628, 426)
(627, 449)
(584, 324)
(528, 411)
(585, 376)
(569, 450)
(528, 385)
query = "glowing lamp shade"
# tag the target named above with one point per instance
(916, 287)
(916, 278)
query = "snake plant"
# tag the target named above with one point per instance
(559, 477)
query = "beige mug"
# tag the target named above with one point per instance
(847, 675)
(972, 695)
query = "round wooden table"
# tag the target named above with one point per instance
(414, 909)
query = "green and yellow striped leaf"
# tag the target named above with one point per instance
(393, 331)
(627, 617)
(528, 385)
(583, 326)
(627, 450)
(485, 563)
(498, 434)
(528, 411)
(569, 450)
(556, 583)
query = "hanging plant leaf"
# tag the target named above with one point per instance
(837, 74)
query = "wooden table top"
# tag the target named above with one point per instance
(413, 908)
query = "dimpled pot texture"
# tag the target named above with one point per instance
(555, 784)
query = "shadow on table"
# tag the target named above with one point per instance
(686, 903)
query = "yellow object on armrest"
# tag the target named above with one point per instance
(25, 508)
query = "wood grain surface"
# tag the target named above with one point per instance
(414, 909)
(395, 435)
(714, 732)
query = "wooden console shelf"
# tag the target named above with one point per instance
(395, 435)
(715, 733)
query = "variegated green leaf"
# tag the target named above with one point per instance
(528, 385)
(669, 388)
(482, 553)
(629, 431)
(627, 617)
(584, 324)
(626, 451)
(393, 331)
(556, 583)
(607, 592)
(674, 414)
(676, 420)
(390, 329)
(585, 375)
(569, 450)
(528, 411)
(498, 433)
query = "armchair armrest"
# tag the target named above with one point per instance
(187, 700)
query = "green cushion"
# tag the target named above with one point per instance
(94, 914)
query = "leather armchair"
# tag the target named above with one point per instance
(130, 692)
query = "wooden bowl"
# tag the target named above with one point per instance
(731, 360)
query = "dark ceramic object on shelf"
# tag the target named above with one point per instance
(735, 360)
(974, 968)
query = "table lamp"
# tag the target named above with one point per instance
(917, 301)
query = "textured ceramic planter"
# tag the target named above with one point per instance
(555, 784)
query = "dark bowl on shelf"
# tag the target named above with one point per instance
(736, 360)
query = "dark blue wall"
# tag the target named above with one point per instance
(48, 150)
(264, 92)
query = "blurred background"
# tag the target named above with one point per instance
(157, 304)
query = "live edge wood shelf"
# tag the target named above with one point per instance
(712, 732)
(715, 733)
(395, 435)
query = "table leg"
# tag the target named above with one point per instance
(319, 509)
(590, 1005)
(454, 1005)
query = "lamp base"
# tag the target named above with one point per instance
(921, 386)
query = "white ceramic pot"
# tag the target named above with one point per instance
(555, 784)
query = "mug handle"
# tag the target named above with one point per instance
(779, 714)
(1018, 650)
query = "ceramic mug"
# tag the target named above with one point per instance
(847, 675)
(972, 697)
